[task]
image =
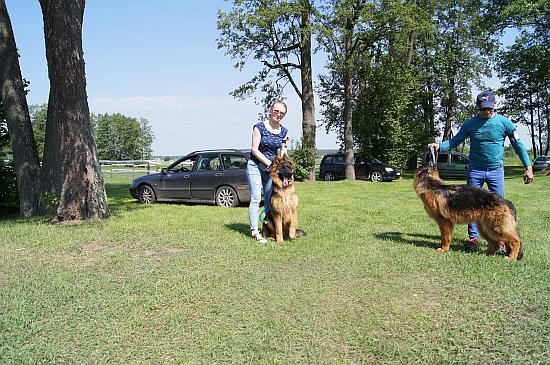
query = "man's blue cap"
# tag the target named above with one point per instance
(486, 100)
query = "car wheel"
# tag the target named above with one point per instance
(146, 195)
(376, 176)
(329, 176)
(226, 197)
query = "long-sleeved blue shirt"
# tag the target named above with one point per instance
(487, 141)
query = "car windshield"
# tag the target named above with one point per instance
(543, 158)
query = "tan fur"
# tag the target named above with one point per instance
(284, 202)
(460, 204)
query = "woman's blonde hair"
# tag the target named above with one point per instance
(279, 101)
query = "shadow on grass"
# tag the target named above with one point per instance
(418, 240)
(241, 228)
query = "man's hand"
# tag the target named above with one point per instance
(528, 176)
(433, 145)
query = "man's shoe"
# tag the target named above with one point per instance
(472, 245)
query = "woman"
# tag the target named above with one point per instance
(267, 138)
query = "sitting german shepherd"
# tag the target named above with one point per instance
(461, 204)
(282, 219)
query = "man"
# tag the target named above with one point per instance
(487, 132)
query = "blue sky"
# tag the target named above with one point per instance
(159, 62)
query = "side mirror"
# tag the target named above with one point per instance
(163, 170)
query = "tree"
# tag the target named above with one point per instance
(9, 198)
(12, 96)
(39, 114)
(278, 34)
(523, 69)
(70, 171)
(384, 122)
(122, 138)
(344, 28)
(461, 49)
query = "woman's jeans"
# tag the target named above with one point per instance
(257, 179)
(495, 182)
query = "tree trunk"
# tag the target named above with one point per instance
(16, 110)
(308, 99)
(348, 106)
(70, 172)
(348, 127)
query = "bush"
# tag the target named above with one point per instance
(9, 196)
(303, 158)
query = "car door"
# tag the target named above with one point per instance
(207, 176)
(362, 168)
(175, 181)
(459, 166)
(234, 166)
(443, 164)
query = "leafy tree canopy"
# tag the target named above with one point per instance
(119, 137)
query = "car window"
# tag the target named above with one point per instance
(443, 158)
(328, 160)
(234, 162)
(339, 160)
(184, 165)
(209, 162)
(370, 159)
(460, 159)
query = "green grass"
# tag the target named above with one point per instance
(184, 284)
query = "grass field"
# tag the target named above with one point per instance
(184, 284)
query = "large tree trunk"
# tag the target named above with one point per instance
(70, 171)
(308, 99)
(348, 127)
(16, 110)
(348, 105)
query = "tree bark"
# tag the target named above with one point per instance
(16, 110)
(308, 99)
(70, 171)
(348, 106)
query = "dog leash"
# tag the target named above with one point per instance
(263, 215)
(433, 157)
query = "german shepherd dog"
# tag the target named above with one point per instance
(461, 204)
(283, 212)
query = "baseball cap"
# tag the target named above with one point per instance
(486, 100)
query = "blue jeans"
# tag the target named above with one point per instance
(495, 182)
(258, 179)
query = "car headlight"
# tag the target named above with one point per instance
(389, 169)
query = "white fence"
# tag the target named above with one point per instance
(134, 167)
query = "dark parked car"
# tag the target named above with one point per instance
(450, 164)
(366, 168)
(212, 176)
(541, 162)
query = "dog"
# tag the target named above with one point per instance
(282, 218)
(461, 204)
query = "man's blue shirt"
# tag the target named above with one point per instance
(487, 138)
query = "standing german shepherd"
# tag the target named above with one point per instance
(461, 204)
(283, 212)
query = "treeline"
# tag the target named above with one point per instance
(117, 136)
(398, 73)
